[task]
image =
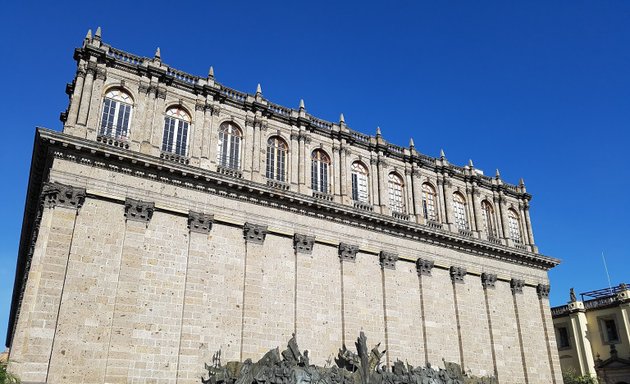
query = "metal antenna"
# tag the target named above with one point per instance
(607, 275)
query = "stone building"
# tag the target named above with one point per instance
(175, 216)
(593, 334)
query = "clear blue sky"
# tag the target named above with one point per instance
(538, 89)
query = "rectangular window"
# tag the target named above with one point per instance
(563, 338)
(608, 329)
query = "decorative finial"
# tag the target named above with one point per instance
(411, 143)
(470, 163)
(521, 182)
(342, 119)
(442, 155)
(498, 174)
(88, 36)
(378, 131)
(258, 89)
(97, 35)
(211, 72)
(302, 104)
(157, 53)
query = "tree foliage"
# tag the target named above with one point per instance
(571, 377)
(6, 377)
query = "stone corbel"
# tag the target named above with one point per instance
(457, 274)
(424, 267)
(200, 107)
(101, 73)
(161, 93)
(137, 210)
(200, 222)
(517, 286)
(488, 280)
(388, 260)
(543, 290)
(303, 243)
(57, 194)
(254, 233)
(348, 252)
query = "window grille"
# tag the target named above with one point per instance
(319, 171)
(359, 182)
(276, 158)
(395, 187)
(116, 116)
(229, 146)
(175, 138)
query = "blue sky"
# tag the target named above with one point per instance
(538, 89)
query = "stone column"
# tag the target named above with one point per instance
(447, 198)
(86, 94)
(143, 131)
(76, 95)
(205, 126)
(498, 216)
(579, 330)
(374, 181)
(195, 138)
(502, 207)
(343, 171)
(624, 297)
(213, 134)
(36, 325)
(382, 185)
(335, 170)
(157, 121)
(260, 145)
(295, 160)
(247, 148)
(416, 188)
(524, 227)
(476, 205)
(528, 225)
(409, 197)
(304, 158)
(95, 102)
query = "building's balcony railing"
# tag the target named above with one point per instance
(278, 184)
(600, 302)
(116, 141)
(322, 195)
(434, 224)
(229, 171)
(494, 240)
(362, 205)
(174, 157)
(400, 215)
(465, 232)
(559, 311)
(521, 246)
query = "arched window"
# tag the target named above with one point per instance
(459, 211)
(359, 182)
(319, 171)
(116, 114)
(229, 151)
(487, 213)
(429, 198)
(175, 138)
(276, 158)
(396, 199)
(514, 226)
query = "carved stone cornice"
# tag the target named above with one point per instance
(424, 267)
(457, 274)
(543, 290)
(137, 210)
(254, 233)
(488, 280)
(200, 222)
(57, 194)
(388, 259)
(303, 243)
(348, 252)
(517, 286)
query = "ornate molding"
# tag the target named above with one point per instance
(348, 252)
(488, 280)
(517, 286)
(303, 243)
(57, 194)
(388, 259)
(543, 290)
(457, 274)
(137, 210)
(254, 233)
(161, 93)
(101, 73)
(424, 267)
(200, 222)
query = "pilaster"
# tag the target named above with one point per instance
(579, 328)
(86, 94)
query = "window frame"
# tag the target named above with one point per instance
(176, 120)
(360, 178)
(431, 203)
(276, 156)
(515, 230)
(110, 97)
(488, 218)
(230, 135)
(558, 330)
(320, 171)
(460, 212)
(396, 193)
(603, 331)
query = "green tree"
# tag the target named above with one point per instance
(571, 377)
(6, 377)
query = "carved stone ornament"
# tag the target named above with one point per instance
(388, 259)
(101, 73)
(200, 222)
(254, 233)
(517, 286)
(161, 93)
(543, 290)
(137, 210)
(57, 194)
(424, 267)
(348, 252)
(488, 280)
(303, 243)
(457, 274)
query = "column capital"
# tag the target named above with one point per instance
(488, 280)
(254, 233)
(543, 290)
(457, 274)
(57, 194)
(517, 285)
(137, 210)
(388, 259)
(303, 243)
(348, 252)
(424, 267)
(200, 222)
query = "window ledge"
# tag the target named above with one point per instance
(434, 224)
(175, 158)
(400, 215)
(277, 184)
(322, 195)
(465, 232)
(230, 172)
(120, 142)
(362, 205)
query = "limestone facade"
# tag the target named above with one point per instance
(141, 255)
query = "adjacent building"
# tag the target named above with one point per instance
(593, 334)
(174, 216)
